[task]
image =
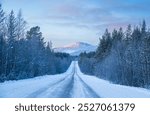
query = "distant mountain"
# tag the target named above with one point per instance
(76, 48)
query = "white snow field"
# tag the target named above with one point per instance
(71, 84)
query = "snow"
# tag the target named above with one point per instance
(73, 83)
(108, 90)
(76, 48)
(24, 88)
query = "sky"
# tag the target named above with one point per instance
(68, 21)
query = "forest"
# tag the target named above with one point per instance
(122, 57)
(24, 53)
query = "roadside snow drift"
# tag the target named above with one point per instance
(71, 84)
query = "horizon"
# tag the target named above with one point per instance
(75, 20)
(73, 43)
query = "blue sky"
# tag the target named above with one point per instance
(68, 21)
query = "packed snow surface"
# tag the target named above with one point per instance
(71, 84)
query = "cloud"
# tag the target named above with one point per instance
(81, 18)
(95, 16)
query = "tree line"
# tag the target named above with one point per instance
(122, 57)
(24, 54)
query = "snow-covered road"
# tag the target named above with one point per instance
(72, 83)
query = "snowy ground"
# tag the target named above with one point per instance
(72, 83)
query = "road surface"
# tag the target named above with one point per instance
(71, 84)
(66, 88)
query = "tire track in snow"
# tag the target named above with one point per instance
(36, 93)
(65, 88)
(89, 92)
(60, 89)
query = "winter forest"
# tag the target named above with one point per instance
(122, 56)
(24, 54)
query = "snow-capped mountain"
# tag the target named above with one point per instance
(76, 48)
